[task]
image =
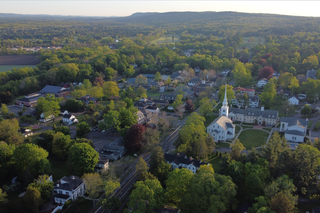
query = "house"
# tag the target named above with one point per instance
(140, 105)
(175, 75)
(224, 73)
(152, 109)
(241, 90)
(254, 101)
(141, 117)
(112, 151)
(57, 91)
(275, 75)
(293, 100)
(102, 165)
(170, 88)
(161, 103)
(169, 97)
(87, 98)
(26, 132)
(45, 119)
(155, 84)
(262, 82)
(302, 96)
(222, 128)
(252, 115)
(201, 86)
(311, 74)
(182, 161)
(165, 77)
(69, 119)
(194, 81)
(29, 100)
(68, 188)
(162, 88)
(197, 69)
(294, 129)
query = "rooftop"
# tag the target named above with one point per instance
(294, 121)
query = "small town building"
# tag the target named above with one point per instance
(69, 119)
(68, 188)
(241, 90)
(112, 151)
(262, 82)
(168, 97)
(29, 100)
(293, 100)
(182, 161)
(87, 98)
(294, 129)
(311, 74)
(57, 91)
(102, 165)
(26, 132)
(44, 119)
(194, 81)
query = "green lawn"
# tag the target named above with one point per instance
(104, 103)
(238, 128)
(247, 127)
(209, 119)
(221, 144)
(59, 169)
(4, 68)
(78, 207)
(253, 138)
(215, 161)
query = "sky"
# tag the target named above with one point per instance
(126, 8)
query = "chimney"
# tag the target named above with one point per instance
(262, 108)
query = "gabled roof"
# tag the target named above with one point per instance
(72, 183)
(195, 80)
(224, 122)
(183, 159)
(311, 74)
(30, 100)
(255, 112)
(294, 121)
(294, 132)
(67, 116)
(52, 89)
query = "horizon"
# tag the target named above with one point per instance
(107, 9)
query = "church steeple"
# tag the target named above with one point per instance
(225, 108)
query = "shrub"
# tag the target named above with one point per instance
(81, 200)
(317, 126)
(67, 204)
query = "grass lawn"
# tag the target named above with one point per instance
(4, 68)
(268, 129)
(59, 169)
(220, 144)
(247, 127)
(209, 119)
(310, 124)
(253, 138)
(215, 161)
(80, 207)
(104, 103)
(238, 128)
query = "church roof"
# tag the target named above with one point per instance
(255, 112)
(224, 122)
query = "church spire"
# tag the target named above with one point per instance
(225, 100)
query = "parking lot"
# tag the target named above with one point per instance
(101, 138)
(15, 109)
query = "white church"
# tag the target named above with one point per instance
(222, 128)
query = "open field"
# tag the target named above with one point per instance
(215, 162)
(253, 138)
(19, 60)
(4, 68)
(209, 120)
(166, 39)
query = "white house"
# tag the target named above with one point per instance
(182, 161)
(254, 102)
(112, 151)
(102, 165)
(293, 100)
(69, 119)
(68, 188)
(26, 132)
(262, 82)
(45, 119)
(222, 128)
(294, 129)
(194, 81)
(141, 117)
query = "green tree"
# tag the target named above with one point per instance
(30, 161)
(241, 75)
(311, 87)
(44, 185)
(9, 132)
(6, 152)
(268, 94)
(206, 107)
(4, 110)
(156, 157)
(141, 92)
(178, 101)
(208, 192)
(110, 88)
(32, 200)
(177, 184)
(3, 196)
(141, 167)
(146, 196)
(83, 158)
(96, 92)
(111, 121)
(281, 203)
(63, 129)
(82, 129)
(49, 106)
(110, 73)
(140, 79)
(60, 145)
(230, 93)
(237, 148)
(294, 84)
(94, 184)
(306, 110)
(157, 76)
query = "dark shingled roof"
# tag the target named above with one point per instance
(195, 80)
(182, 159)
(29, 100)
(294, 121)
(294, 132)
(72, 183)
(52, 89)
(255, 112)
(67, 115)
